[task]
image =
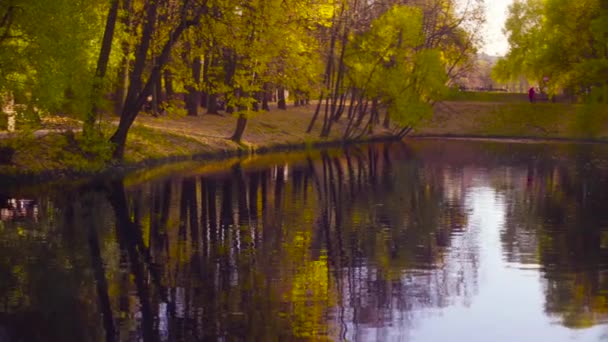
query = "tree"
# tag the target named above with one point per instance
(102, 65)
(559, 45)
(45, 55)
(256, 44)
(370, 44)
(189, 14)
(54, 59)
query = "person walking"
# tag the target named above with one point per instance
(531, 94)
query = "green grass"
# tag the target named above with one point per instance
(185, 137)
(68, 152)
(590, 121)
(525, 119)
(57, 152)
(148, 143)
(540, 120)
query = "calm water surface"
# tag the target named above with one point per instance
(425, 241)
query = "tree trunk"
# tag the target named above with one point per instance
(157, 96)
(136, 95)
(102, 66)
(123, 79)
(255, 106)
(327, 76)
(154, 99)
(212, 105)
(337, 99)
(314, 117)
(135, 78)
(123, 71)
(229, 71)
(204, 98)
(266, 97)
(281, 103)
(168, 76)
(387, 120)
(241, 124)
(194, 95)
(205, 77)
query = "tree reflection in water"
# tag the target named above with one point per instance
(306, 250)
(559, 221)
(331, 246)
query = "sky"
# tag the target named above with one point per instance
(495, 41)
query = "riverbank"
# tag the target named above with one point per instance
(153, 141)
(517, 120)
(156, 140)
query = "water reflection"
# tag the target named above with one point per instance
(559, 222)
(370, 243)
(18, 208)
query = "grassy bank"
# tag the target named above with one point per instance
(518, 120)
(167, 138)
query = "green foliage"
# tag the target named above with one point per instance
(174, 108)
(265, 42)
(397, 56)
(49, 59)
(564, 41)
(96, 147)
(387, 63)
(27, 118)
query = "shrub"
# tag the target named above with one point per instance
(6, 155)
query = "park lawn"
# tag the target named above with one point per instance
(517, 120)
(177, 138)
(168, 138)
(264, 129)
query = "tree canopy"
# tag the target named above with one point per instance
(367, 59)
(558, 44)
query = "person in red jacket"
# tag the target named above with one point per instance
(531, 94)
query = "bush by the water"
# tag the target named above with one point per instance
(6, 155)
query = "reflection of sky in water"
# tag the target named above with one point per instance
(507, 303)
(499, 312)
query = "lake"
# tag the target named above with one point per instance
(428, 240)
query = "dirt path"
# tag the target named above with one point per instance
(37, 133)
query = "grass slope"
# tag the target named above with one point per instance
(178, 138)
(513, 120)
(167, 138)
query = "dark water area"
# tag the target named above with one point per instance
(421, 241)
